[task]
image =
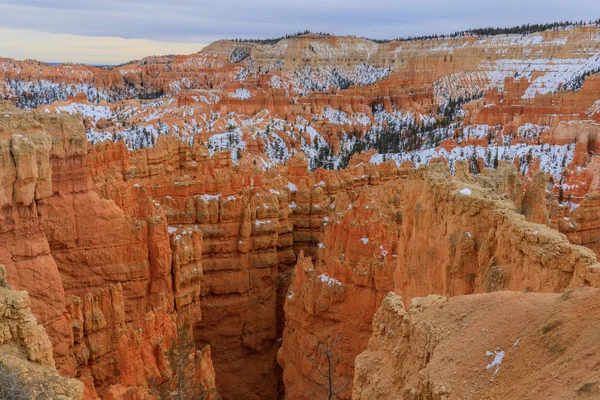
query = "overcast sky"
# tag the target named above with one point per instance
(114, 31)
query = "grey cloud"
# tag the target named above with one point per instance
(204, 21)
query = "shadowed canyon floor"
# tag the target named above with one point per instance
(265, 201)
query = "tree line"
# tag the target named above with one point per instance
(524, 29)
(272, 41)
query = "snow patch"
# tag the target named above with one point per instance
(241, 93)
(498, 357)
(329, 281)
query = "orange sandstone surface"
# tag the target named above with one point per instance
(281, 271)
(489, 346)
(117, 247)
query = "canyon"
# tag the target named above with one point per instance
(315, 217)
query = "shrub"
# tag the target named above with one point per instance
(11, 386)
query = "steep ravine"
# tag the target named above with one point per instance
(420, 235)
(117, 248)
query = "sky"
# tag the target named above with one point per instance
(116, 31)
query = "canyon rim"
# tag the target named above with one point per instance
(313, 216)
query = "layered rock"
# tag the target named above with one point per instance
(26, 350)
(487, 245)
(194, 212)
(119, 283)
(420, 235)
(24, 249)
(241, 261)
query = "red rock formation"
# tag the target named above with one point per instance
(26, 351)
(446, 237)
(125, 281)
(26, 178)
(119, 248)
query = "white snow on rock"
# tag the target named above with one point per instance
(87, 110)
(208, 197)
(241, 93)
(365, 240)
(478, 131)
(292, 187)
(595, 108)
(323, 78)
(465, 192)
(32, 94)
(227, 141)
(552, 157)
(498, 357)
(329, 281)
(554, 72)
(365, 74)
(531, 131)
(276, 82)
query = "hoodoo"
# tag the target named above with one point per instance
(308, 217)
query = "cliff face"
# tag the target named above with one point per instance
(267, 197)
(498, 345)
(26, 349)
(482, 99)
(241, 262)
(214, 248)
(529, 99)
(418, 235)
(24, 249)
(486, 245)
(213, 245)
(109, 287)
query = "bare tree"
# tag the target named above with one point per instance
(327, 370)
(326, 364)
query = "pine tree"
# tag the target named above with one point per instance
(184, 363)
(560, 195)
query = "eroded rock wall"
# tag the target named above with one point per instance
(423, 233)
(26, 350)
(110, 284)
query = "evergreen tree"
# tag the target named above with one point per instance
(561, 194)
(182, 359)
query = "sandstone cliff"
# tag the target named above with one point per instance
(267, 197)
(108, 286)
(26, 351)
(422, 234)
